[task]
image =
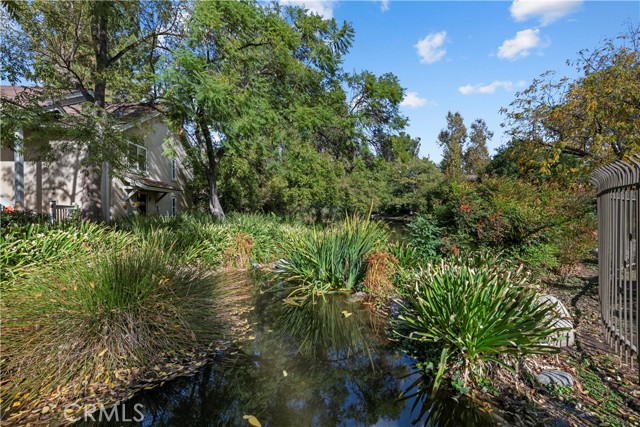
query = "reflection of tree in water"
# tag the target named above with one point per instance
(338, 373)
(335, 374)
(442, 409)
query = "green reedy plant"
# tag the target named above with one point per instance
(23, 247)
(332, 259)
(86, 319)
(478, 313)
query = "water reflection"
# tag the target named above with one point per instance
(316, 362)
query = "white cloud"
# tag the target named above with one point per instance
(547, 11)
(412, 100)
(384, 5)
(323, 8)
(430, 48)
(519, 46)
(490, 88)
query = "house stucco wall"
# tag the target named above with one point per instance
(159, 166)
(62, 180)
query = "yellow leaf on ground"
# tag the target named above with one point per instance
(45, 409)
(16, 404)
(102, 353)
(253, 421)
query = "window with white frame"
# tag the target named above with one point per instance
(174, 170)
(137, 158)
(174, 205)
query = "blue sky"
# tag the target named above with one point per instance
(471, 56)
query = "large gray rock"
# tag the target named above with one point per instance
(565, 338)
(555, 377)
(559, 308)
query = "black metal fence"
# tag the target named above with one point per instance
(618, 186)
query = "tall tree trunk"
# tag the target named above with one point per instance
(214, 202)
(95, 190)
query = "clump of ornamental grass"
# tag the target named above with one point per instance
(26, 247)
(78, 323)
(268, 232)
(198, 238)
(238, 254)
(380, 265)
(477, 314)
(332, 259)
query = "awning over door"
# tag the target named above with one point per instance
(136, 183)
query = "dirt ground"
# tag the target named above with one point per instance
(607, 390)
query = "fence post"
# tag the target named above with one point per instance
(52, 211)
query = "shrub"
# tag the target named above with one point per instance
(477, 314)
(332, 259)
(424, 236)
(540, 257)
(514, 216)
(21, 218)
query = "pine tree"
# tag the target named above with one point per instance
(476, 156)
(453, 139)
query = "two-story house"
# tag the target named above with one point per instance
(153, 184)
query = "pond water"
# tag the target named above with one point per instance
(325, 362)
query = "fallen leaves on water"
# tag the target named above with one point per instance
(253, 421)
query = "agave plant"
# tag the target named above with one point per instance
(478, 314)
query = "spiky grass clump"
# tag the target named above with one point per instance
(381, 265)
(209, 242)
(239, 253)
(332, 259)
(25, 247)
(478, 314)
(79, 323)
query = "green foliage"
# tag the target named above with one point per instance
(25, 248)
(105, 51)
(452, 140)
(476, 156)
(409, 257)
(512, 215)
(241, 79)
(113, 311)
(477, 313)
(20, 218)
(375, 109)
(410, 186)
(539, 257)
(200, 239)
(332, 259)
(591, 120)
(425, 237)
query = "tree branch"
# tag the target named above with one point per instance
(137, 43)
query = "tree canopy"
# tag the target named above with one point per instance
(593, 119)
